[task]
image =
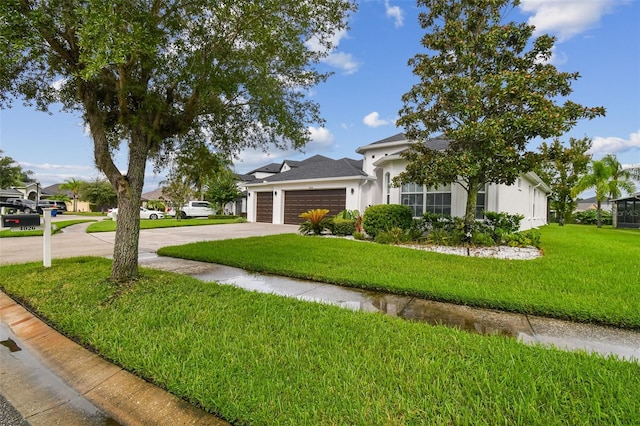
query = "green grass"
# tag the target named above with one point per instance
(586, 274)
(7, 233)
(109, 225)
(87, 213)
(261, 359)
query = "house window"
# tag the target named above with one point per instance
(439, 200)
(481, 202)
(412, 195)
(434, 200)
(387, 184)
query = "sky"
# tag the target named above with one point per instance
(360, 102)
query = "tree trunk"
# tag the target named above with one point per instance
(599, 215)
(125, 250)
(470, 210)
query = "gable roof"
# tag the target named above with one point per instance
(55, 190)
(269, 168)
(319, 167)
(395, 138)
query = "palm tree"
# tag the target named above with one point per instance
(608, 178)
(74, 185)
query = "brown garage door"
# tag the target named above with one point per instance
(296, 202)
(264, 207)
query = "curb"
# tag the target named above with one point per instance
(126, 398)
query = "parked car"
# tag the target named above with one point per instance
(60, 206)
(23, 204)
(193, 209)
(144, 213)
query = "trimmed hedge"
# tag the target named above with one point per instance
(385, 217)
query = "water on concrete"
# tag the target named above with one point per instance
(565, 335)
(51, 400)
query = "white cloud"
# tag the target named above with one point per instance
(373, 120)
(342, 61)
(320, 138)
(614, 145)
(48, 166)
(394, 12)
(565, 18)
(315, 45)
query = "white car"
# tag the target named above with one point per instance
(144, 213)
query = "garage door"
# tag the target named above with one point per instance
(264, 207)
(296, 202)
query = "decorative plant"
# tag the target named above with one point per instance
(316, 222)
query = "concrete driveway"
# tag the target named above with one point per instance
(74, 241)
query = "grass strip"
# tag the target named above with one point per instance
(110, 225)
(254, 358)
(59, 225)
(586, 274)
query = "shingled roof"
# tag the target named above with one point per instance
(320, 167)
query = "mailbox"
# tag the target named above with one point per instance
(20, 220)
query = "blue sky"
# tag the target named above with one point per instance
(598, 38)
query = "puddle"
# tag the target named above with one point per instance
(565, 335)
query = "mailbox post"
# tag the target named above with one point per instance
(46, 242)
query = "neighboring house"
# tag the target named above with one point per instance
(10, 193)
(52, 191)
(29, 190)
(592, 204)
(626, 211)
(280, 192)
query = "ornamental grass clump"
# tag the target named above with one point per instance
(316, 222)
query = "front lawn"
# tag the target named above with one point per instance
(8, 233)
(261, 359)
(586, 274)
(110, 225)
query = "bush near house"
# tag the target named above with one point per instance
(385, 217)
(590, 217)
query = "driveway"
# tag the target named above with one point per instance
(74, 241)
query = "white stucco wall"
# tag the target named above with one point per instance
(526, 197)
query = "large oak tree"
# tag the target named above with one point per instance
(152, 74)
(489, 89)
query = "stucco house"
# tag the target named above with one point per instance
(278, 193)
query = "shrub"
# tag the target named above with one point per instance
(316, 222)
(344, 226)
(384, 217)
(394, 236)
(482, 239)
(590, 217)
(440, 237)
(358, 235)
(503, 222)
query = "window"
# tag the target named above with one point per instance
(387, 184)
(439, 200)
(436, 200)
(412, 195)
(481, 202)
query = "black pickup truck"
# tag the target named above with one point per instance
(22, 206)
